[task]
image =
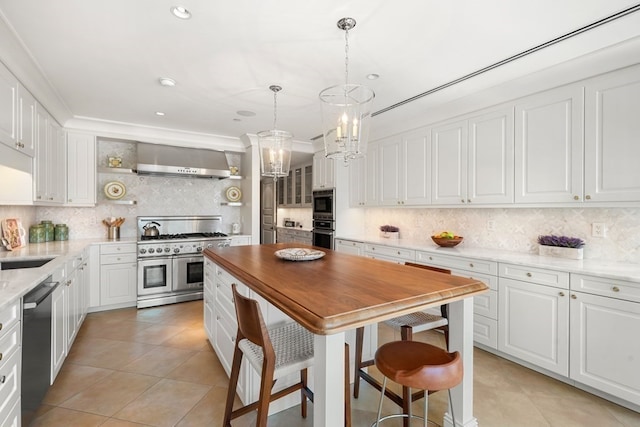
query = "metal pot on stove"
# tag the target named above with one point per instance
(150, 229)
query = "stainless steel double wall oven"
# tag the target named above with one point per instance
(324, 208)
(170, 262)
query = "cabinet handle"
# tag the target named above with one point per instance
(470, 264)
(615, 289)
(0, 356)
(219, 273)
(2, 379)
(68, 282)
(70, 200)
(468, 200)
(462, 200)
(431, 258)
(0, 326)
(576, 198)
(529, 274)
(588, 197)
(573, 296)
(233, 339)
(398, 252)
(561, 294)
(217, 317)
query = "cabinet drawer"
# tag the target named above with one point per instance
(225, 319)
(118, 249)
(124, 258)
(9, 342)
(467, 264)
(486, 304)
(540, 276)
(8, 316)
(10, 386)
(389, 251)
(385, 258)
(490, 281)
(485, 331)
(11, 417)
(620, 289)
(348, 243)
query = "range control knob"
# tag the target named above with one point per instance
(167, 250)
(159, 250)
(143, 251)
(209, 245)
(151, 250)
(176, 250)
(199, 249)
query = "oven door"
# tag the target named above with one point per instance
(154, 276)
(188, 273)
(323, 238)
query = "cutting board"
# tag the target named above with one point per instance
(13, 234)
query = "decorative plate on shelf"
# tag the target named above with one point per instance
(114, 190)
(234, 194)
(299, 254)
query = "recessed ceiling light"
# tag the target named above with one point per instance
(246, 113)
(166, 81)
(181, 12)
(159, 113)
(373, 76)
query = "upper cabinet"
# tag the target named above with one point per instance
(324, 173)
(81, 169)
(17, 114)
(295, 190)
(472, 159)
(50, 160)
(612, 137)
(548, 147)
(363, 182)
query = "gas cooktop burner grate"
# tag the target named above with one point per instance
(183, 236)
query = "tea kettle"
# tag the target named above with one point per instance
(150, 229)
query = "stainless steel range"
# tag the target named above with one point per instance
(170, 262)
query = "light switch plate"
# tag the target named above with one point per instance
(599, 229)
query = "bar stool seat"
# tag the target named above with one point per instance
(418, 365)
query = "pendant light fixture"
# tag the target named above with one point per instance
(275, 145)
(346, 111)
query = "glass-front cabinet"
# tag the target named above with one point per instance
(295, 190)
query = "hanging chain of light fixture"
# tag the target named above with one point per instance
(346, 110)
(275, 145)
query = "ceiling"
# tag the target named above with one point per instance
(103, 59)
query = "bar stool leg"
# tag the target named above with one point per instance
(426, 408)
(453, 417)
(384, 386)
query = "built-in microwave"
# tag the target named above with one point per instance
(324, 204)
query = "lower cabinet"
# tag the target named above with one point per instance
(604, 347)
(395, 254)
(58, 335)
(240, 240)
(348, 246)
(118, 274)
(10, 373)
(293, 235)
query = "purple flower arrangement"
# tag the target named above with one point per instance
(561, 241)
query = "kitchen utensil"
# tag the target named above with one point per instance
(113, 233)
(150, 229)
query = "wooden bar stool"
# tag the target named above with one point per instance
(418, 365)
(273, 353)
(407, 325)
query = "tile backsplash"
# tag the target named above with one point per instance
(518, 229)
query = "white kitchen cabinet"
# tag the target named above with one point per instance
(363, 179)
(472, 159)
(81, 169)
(17, 114)
(118, 274)
(396, 254)
(25, 125)
(295, 190)
(612, 132)
(603, 353)
(533, 320)
(208, 298)
(402, 176)
(293, 235)
(348, 246)
(240, 240)
(58, 335)
(324, 173)
(11, 350)
(548, 147)
(50, 160)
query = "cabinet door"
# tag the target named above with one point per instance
(26, 121)
(58, 336)
(415, 180)
(449, 163)
(604, 350)
(118, 283)
(548, 147)
(288, 201)
(371, 180)
(612, 132)
(318, 170)
(490, 162)
(308, 186)
(81, 169)
(533, 324)
(357, 182)
(56, 162)
(389, 171)
(8, 108)
(348, 246)
(281, 187)
(42, 156)
(297, 186)
(72, 305)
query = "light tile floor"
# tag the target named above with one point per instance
(155, 367)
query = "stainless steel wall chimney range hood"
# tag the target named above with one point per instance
(180, 161)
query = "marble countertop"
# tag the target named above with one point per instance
(610, 269)
(16, 283)
(295, 228)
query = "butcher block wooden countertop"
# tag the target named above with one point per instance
(339, 291)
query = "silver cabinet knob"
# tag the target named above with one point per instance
(615, 289)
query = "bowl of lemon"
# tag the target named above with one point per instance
(447, 239)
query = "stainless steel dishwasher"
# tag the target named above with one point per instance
(36, 347)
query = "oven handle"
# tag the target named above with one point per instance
(322, 231)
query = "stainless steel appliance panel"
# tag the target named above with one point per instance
(154, 275)
(324, 205)
(323, 238)
(188, 273)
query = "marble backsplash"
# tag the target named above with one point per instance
(518, 229)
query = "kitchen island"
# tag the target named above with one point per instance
(339, 292)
